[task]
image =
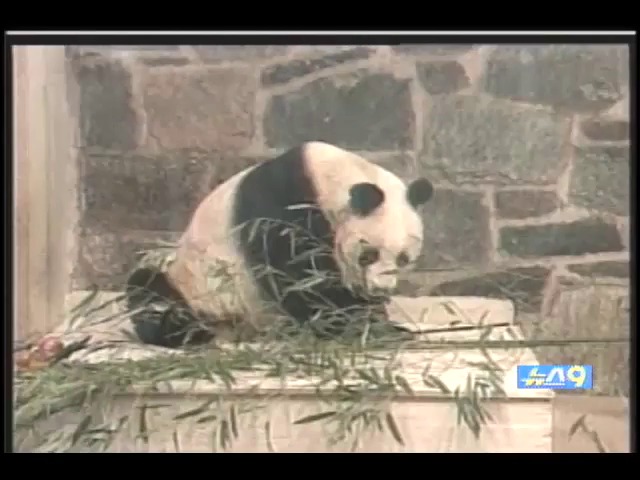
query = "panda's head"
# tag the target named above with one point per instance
(380, 233)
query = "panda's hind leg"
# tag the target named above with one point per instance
(160, 315)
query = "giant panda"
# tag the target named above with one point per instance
(317, 232)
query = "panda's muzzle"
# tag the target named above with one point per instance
(379, 296)
(379, 292)
(373, 294)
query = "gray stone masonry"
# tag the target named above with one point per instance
(528, 147)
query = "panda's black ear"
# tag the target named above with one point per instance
(419, 192)
(365, 198)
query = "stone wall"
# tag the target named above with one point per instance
(528, 147)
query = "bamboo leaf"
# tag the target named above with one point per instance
(94, 431)
(483, 317)
(404, 384)
(225, 438)
(315, 417)
(76, 312)
(155, 406)
(143, 429)
(393, 427)
(233, 421)
(304, 285)
(388, 376)
(267, 433)
(207, 419)
(86, 300)
(460, 410)
(194, 411)
(468, 415)
(433, 381)
(366, 376)
(378, 423)
(579, 423)
(487, 331)
(176, 441)
(376, 375)
(80, 429)
(447, 306)
(477, 407)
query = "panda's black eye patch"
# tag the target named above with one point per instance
(402, 260)
(368, 256)
(365, 198)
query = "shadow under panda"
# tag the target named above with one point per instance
(317, 235)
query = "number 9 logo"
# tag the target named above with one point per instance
(577, 375)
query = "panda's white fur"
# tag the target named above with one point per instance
(319, 176)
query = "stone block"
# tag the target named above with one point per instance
(616, 269)
(142, 193)
(403, 165)
(108, 50)
(318, 50)
(200, 109)
(595, 312)
(442, 77)
(574, 77)
(523, 286)
(456, 230)
(164, 61)
(623, 228)
(106, 257)
(152, 55)
(223, 169)
(600, 179)
(620, 111)
(590, 235)
(284, 72)
(603, 129)
(222, 53)
(470, 139)
(108, 118)
(432, 49)
(361, 110)
(518, 204)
